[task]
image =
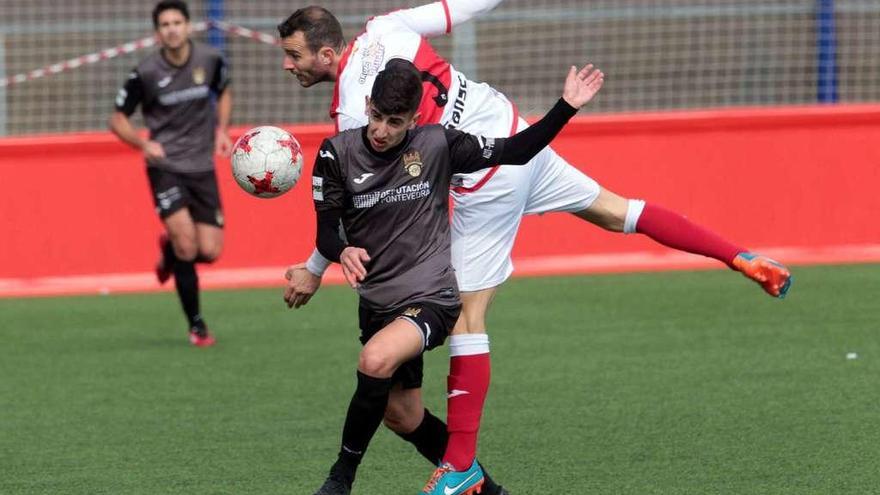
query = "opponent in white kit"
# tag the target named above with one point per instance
(488, 205)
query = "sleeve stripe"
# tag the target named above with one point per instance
(448, 16)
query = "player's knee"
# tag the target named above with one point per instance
(400, 418)
(376, 362)
(473, 314)
(185, 249)
(609, 217)
(208, 254)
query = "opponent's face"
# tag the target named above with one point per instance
(387, 131)
(309, 67)
(173, 29)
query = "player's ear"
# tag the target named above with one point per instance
(415, 120)
(325, 55)
(367, 105)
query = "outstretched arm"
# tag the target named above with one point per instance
(438, 18)
(471, 153)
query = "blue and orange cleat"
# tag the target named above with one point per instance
(201, 337)
(774, 278)
(447, 481)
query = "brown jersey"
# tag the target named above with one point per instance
(395, 205)
(179, 105)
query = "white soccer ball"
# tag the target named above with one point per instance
(266, 161)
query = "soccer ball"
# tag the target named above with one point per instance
(266, 161)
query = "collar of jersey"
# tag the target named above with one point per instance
(192, 49)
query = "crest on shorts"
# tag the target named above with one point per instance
(412, 163)
(199, 75)
(412, 312)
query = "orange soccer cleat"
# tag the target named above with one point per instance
(769, 274)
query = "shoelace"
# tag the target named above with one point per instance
(435, 478)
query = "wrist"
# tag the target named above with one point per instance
(317, 264)
(565, 99)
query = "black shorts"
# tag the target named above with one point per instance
(433, 320)
(197, 192)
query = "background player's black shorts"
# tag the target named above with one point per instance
(198, 192)
(433, 320)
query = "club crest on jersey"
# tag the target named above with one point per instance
(412, 312)
(412, 163)
(199, 75)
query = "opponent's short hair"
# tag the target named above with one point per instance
(398, 88)
(319, 26)
(169, 5)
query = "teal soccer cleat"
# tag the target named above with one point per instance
(447, 481)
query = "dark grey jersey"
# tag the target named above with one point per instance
(395, 205)
(179, 105)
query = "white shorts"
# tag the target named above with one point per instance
(485, 221)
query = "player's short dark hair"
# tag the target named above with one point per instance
(319, 26)
(398, 88)
(169, 5)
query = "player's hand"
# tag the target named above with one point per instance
(153, 151)
(301, 285)
(222, 143)
(582, 85)
(352, 260)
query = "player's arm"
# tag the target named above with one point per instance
(438, 18)
(304, 279)
(220, 87)
(328, 195)
(328, 192)
(470, 153)
(127, 101)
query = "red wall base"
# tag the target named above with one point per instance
(792, 177)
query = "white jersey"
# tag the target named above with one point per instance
(450, 98)
(489, 204)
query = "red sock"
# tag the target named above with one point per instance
(468, 384)
(674, 230)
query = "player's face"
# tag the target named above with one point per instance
(173, 29)
(306, 65)
(387, 131)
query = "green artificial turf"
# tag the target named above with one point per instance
(665, 383)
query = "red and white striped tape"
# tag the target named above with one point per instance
(243, 32)
(130, 47)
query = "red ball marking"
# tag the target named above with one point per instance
(263, 185)
(244, 144)
(292, 144)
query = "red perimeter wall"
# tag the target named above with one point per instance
(792, 177)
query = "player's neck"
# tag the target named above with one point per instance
(179, 56)
(337, 59)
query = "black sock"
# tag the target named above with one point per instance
(201, 258)
(430, 439)
(187, 282)
(365, 413)
(168, 256)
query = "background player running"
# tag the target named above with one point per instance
(388, 185)
(186, 103)
(489, 204)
